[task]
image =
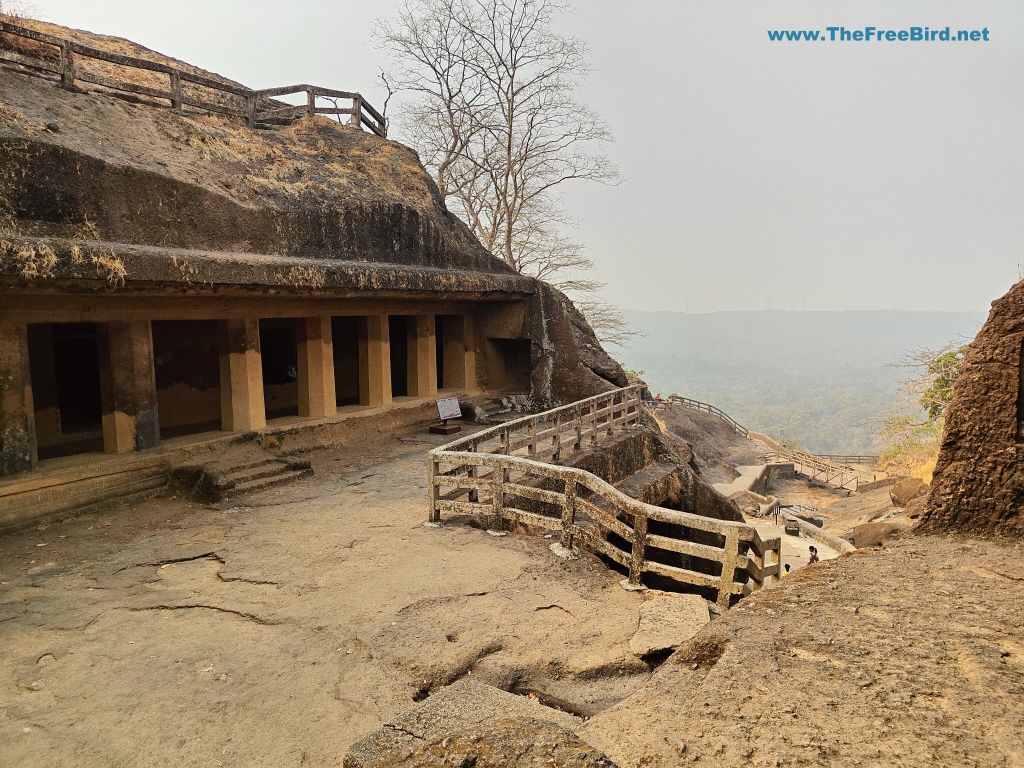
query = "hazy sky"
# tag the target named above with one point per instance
(758, 175)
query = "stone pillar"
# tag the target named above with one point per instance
(17, 420)
(422, 356)
(128, 387)
(459, 358)
(241, 376)
(317, 398)
(374, 360)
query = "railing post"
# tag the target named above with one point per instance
(357, 111)
(498, 478)
(433, 514)
(636, 560)
(176, 95)
(67, 66)
(557, 441)
(250, 109)
(531, 429)
(593, 416)
(579, 429)
(310, 101)
(474, 472)
(569, 513)
(506, 442)
(729, 552)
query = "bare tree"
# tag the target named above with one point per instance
(18, 9)
(495, 117)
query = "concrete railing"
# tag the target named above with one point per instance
(502, 471)
(237, 101)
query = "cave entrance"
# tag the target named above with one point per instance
(186, 360)
(65, 370)
(345, 332)
(451, 351)
(398, 336)
(280, 355)
(508, 364)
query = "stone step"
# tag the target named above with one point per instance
(263, 483)
(246, 474)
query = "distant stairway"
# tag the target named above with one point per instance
(220, 480)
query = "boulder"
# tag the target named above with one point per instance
(915, 507)
(907, 490)
(875, 534)
(667, 620)
(472, 724)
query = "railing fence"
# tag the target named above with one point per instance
(250, 105)
(503, 473)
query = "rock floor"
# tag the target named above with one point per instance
(279, 629)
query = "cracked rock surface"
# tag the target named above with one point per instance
(278, 629)
(472, 724)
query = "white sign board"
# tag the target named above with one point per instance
(448, 408)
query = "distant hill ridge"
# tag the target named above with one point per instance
(825, 379)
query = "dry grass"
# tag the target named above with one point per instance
(307, 276)
(39, 262)
(31, 263)
(109, 266)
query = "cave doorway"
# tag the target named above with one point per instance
(345, 332)
(186, 361)
(398, 337)
(508, 365)
(279, 350)
(64, 363)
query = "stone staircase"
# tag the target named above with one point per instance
(225, 479)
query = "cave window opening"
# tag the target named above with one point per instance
(398, 334)
(65, 371)
(345, 333)
(280, 357)
(186, 361)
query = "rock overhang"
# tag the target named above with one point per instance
(40, 263)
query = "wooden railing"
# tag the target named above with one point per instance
(237, 101)
(697, 405)
(820, 468)
(844, 458)
(816, 466)
(503, 473)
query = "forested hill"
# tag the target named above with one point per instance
(827, 379)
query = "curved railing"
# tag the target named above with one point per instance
(816, 466)
(503, 473)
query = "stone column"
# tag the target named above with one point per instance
(128, 387)
(241, 376)
(459, 357)
(17, 420)
(422, 356)
(317, 398)
(374, 360)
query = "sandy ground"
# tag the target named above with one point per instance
(278, 631)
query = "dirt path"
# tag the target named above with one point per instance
(794, 548)
(279, 631)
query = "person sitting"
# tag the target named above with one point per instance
(812, 555)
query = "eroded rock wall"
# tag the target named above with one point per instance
(978, 483)
(569, 362)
